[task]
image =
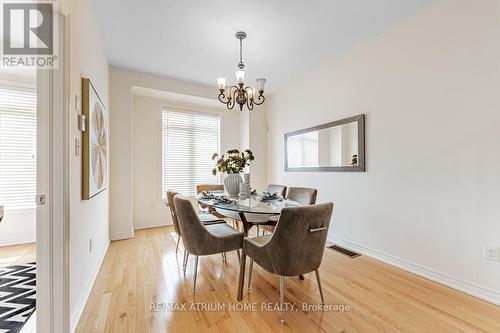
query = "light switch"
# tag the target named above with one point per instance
(77, 103)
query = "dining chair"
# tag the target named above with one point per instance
(208, 188)
(213, 187)
(275, 188)
(200, 240)
(281, 191)
(206, 219)
(295, 248)
(301, 195)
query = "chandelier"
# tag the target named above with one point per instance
(239, 94)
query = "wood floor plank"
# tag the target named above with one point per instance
(143, 271)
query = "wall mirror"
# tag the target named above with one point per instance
(336, 146)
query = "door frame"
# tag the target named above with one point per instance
(53, 157)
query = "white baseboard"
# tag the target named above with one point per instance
(82, 301)
(149, 224)
(17, 240)
(122, 235)
(470, 288)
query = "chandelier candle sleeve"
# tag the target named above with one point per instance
(240, 77)
(221, 82)
(261, 83)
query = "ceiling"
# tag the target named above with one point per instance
(193, 40)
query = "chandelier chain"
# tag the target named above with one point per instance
(241, 52)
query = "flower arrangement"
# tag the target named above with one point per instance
(233, 161)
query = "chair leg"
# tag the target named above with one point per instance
(177, 247)
(186, 258)
(282, 299)
(236, 224)
(250, 269)
(195, 273)
(319, 286)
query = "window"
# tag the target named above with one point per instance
(17, 147)
(188, 141)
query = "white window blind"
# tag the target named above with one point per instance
(17, 147)
(188, 141)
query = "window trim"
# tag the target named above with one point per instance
(173, 107)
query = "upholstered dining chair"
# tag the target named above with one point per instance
(301, 195)
(295, 248)
(207, 188)
(275, 188)
(281, 191)
(200, 240)
(213, 187)
(206, 219)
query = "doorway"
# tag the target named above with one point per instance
(34, 163)
(18, 179)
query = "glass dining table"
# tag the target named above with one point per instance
(252, 211)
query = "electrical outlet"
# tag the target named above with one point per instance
(77, 147)
(90, 244)
(491, 253)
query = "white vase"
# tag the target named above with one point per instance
(232, 184)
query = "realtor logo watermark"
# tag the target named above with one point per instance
(29, 34)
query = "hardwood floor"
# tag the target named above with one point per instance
(17, 254)
(145, 270)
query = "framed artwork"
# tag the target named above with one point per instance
(95, 142)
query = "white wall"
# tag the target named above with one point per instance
(258, 145)
(89, 219)
(18, 227)
(253, 136)
(122, 82)
(430, 89)
(148, 208)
